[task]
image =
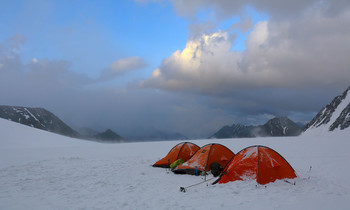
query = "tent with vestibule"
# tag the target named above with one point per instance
(183, 151)
(261, 163)
(205, 159)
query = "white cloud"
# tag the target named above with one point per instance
(127, 64)
(122, 66)
(308, 51)
(199, 66)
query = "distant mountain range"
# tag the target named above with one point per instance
(279, 126)
(42, 119)
(334, 116)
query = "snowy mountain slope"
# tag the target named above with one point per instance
(38, 118)
(45, 120)
(41, 170)
(335, 115)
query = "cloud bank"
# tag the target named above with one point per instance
(286, 55)
(309, 51)
(276, 9)
(121, 67)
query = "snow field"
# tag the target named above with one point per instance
(41, 170)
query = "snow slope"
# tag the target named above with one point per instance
(335, 116)
(41, 170)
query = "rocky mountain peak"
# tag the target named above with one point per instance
(108, 135)
(335, 115)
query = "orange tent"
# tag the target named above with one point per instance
(183, 151)
(203, 158)
(257, 162)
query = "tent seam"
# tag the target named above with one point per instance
(257, 173)
(178, 154)
(206, 164)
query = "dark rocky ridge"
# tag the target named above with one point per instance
(42, 119)
(38, 118)
(108, 136)
(324, 116)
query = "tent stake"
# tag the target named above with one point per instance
(289, 182)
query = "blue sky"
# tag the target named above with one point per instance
(93, 34)
(174, 66)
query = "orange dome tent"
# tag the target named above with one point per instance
(257, 162)
(183, 151)
(203, 158)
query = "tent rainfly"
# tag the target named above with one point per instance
(203, 159)
(183, 151)
(256, 162)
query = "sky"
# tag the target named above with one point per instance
(190, 67)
